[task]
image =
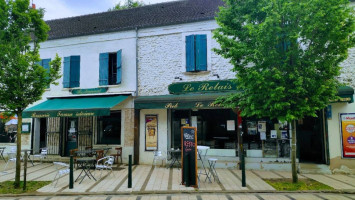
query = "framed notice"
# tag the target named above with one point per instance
(151, 132)
(26, 128)
(347, 121)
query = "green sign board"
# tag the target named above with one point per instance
(202, 87)
(344, 98)
(89, 90)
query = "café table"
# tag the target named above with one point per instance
(202, 151)
(175, 156)
(2, 149)
(85, 163)
(28, 155)
(85, 153)
(106, 149)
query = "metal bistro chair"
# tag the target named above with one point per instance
(118, 154)
(104, 163)
(42, 155)
(11, 158)
(60, 171)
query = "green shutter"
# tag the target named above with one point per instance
(201, 53)
(66, 72)
(45, 64)
(119, 66)
(190, 53)
(74, 71)
(103, 69)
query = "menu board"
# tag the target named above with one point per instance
(189, 156)
(348, 134)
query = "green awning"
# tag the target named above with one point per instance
(346, 94)
(183, 101)
(74, 107)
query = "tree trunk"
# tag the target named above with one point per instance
(293, 154)
(18, 152)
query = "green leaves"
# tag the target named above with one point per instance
(286, 53)
(22, 81)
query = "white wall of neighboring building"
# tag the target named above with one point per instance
(161, 54)
(335, 138)
(146, 157)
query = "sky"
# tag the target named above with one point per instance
(56, 9)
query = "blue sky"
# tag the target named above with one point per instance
(68, 8)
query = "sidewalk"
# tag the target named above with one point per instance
(151, 180)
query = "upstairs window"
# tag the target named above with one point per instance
(71, 74)
(110, 70)
(45, 64)
(196, 53)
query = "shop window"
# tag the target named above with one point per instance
(71, 74)
(45, 64)
(196, 53)
(110, 70)
(109, 129)
(7, 133)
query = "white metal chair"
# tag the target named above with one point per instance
(42, 155)
(158, 155)
(105, 163)
(11, 158)
(62, 169)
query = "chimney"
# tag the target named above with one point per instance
(33, 6)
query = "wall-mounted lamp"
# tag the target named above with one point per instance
(176, 77)
(216, 75)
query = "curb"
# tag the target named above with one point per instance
(179, 192)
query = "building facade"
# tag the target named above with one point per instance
(133, 78)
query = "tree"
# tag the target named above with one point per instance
(22, 80)
(286, 55)
(128, 4)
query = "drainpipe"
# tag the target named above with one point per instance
(136, 61)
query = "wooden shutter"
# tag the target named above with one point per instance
(190, 53)
(74, 71)
(119, 66)
(45, 64)
(103, 69)
(66, 72)
(201, 53)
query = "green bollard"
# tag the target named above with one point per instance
(71, 173)
(244, 184)
(25, 172)
(130, 171)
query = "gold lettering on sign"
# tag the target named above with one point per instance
(171, 105)
(60, 114)
(84, 114)
(35, 115)
(212, 104)
(188, 88)
(217, 87)
(198, 105)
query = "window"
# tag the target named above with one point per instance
(109, 129)
(196, 53)
(110, 70)
(71, 75)
(45, 64)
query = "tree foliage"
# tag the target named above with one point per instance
(286, 53)
(128, 4)
(22, 80)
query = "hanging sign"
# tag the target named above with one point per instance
(151, 132)
(348, 134)
(189, 156)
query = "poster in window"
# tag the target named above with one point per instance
(151, 132)
(348, 134)
(251, 127)
(262, 126)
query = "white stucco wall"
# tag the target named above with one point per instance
(161, 54)
(89, 48)
(335, 145)
(146, 157)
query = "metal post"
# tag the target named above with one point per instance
(130, 171)
(71, 173)
(244, 184)
(25, 172)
